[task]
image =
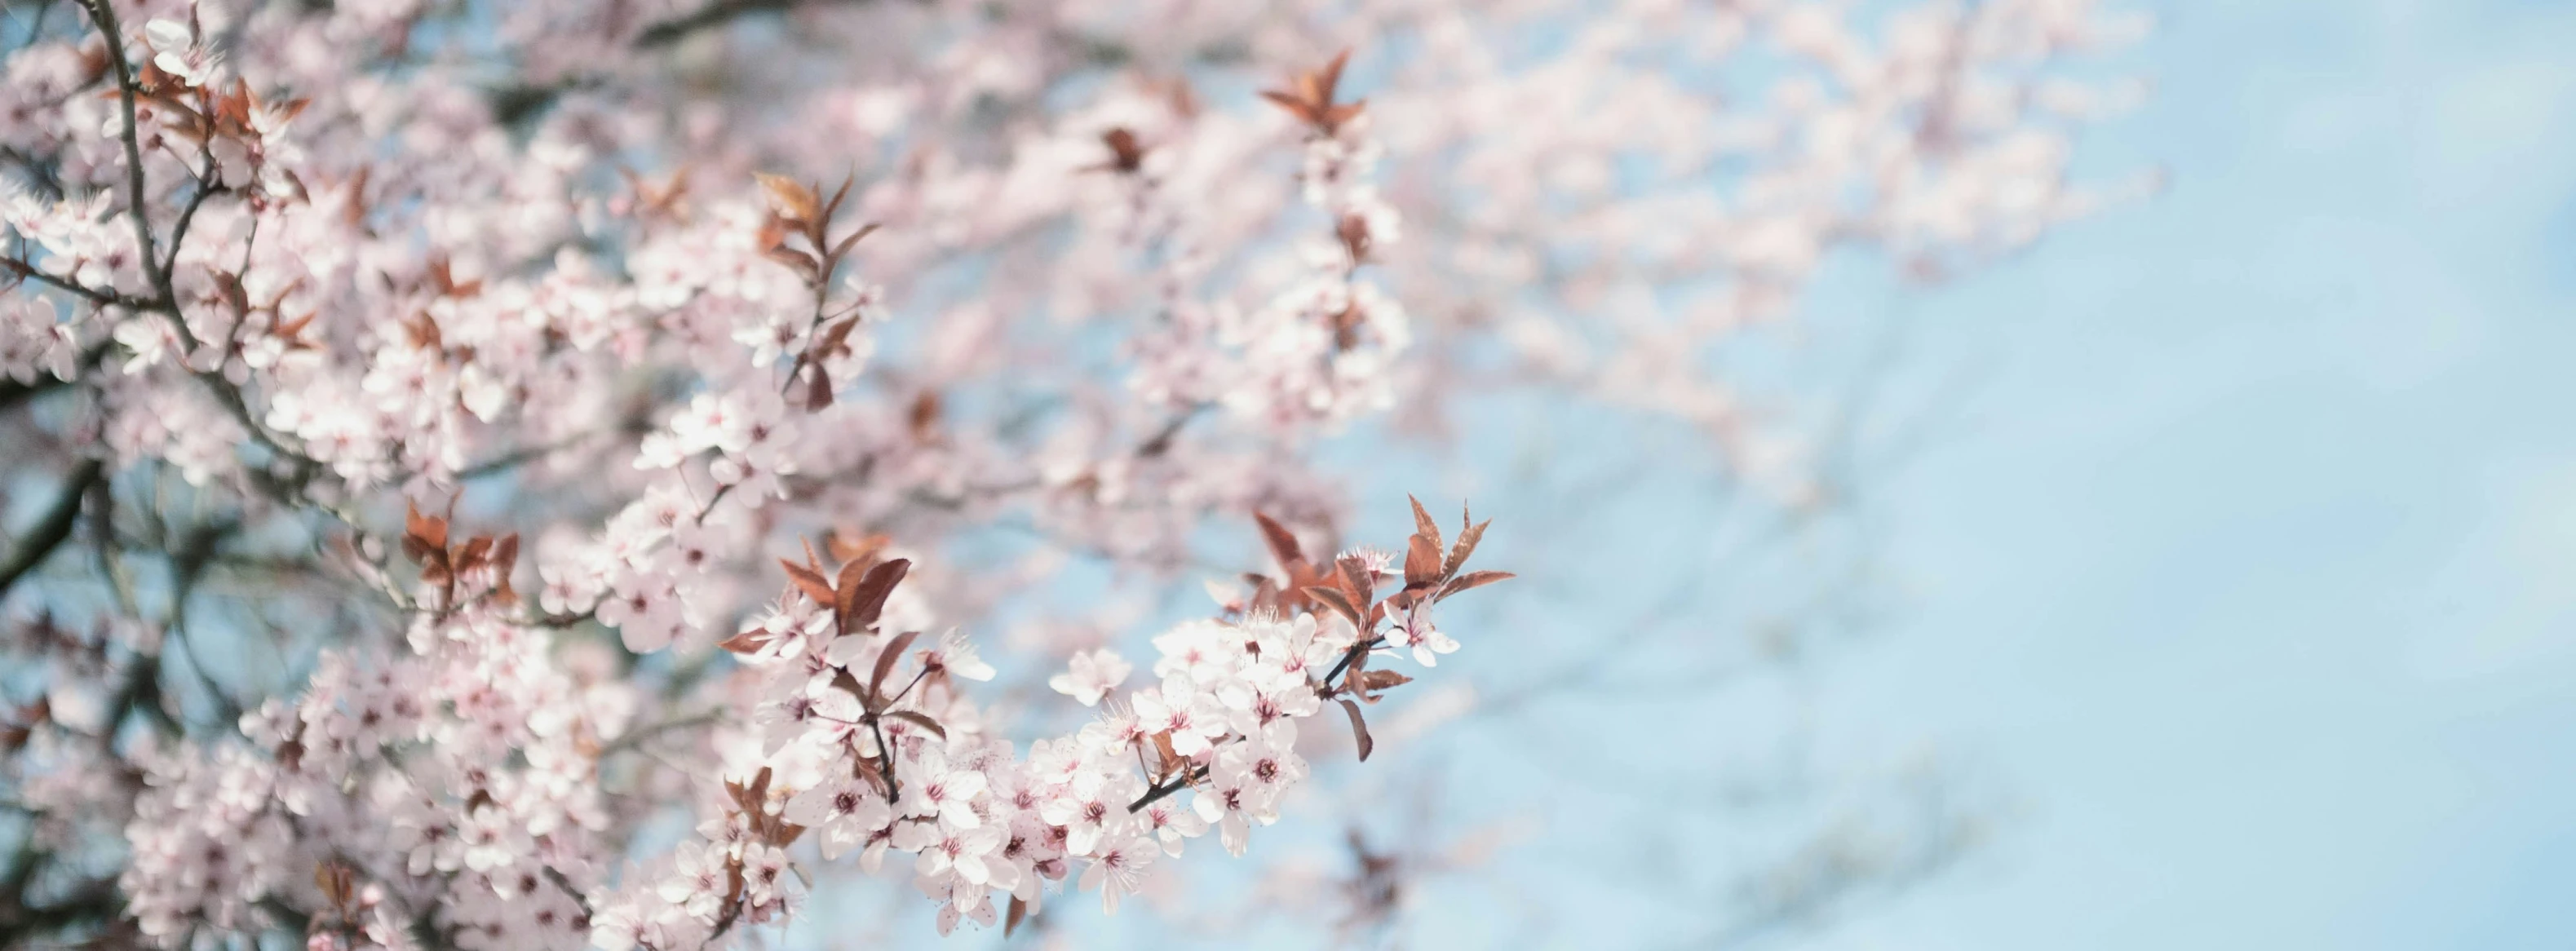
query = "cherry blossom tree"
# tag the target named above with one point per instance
(547, 474)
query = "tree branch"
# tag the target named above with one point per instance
(51, 529)
(104, 16)
(713, 14)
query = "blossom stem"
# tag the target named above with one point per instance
(1165, 789)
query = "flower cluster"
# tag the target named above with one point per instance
(868, 743)
(455, 789)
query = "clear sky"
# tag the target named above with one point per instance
(2252, 568)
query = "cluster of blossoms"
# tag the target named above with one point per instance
(865, 742)
(452, 795)
(450, 792)
(278, 278)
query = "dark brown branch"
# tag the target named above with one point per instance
(207, 186)
(51, 529)
(1163, 789)
(13, 392)
(25, 271)
(1349, 657)
(712, 15)
(104, 15)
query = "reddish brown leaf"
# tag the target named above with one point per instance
(863, 548)
(1377, 680)
(845, 683)
(291, 330)
(834, 206)
(836, 339)
(867, 770)
(1295, 105)
(818, 389)
(790, 197)
(1019, 912)
(1354, 232)
(1470, 580)
(1329, 79)
(920, 720)
(1335, 599)
(1310, 97)
(1421, 562)
(1466, 544)
(783, 833)
(1126, 153)
(1359, 728)
(924, 415)
(885, 667)
(802, 263)
(1424, 524)
(808, 580)
(1283, 546)
(430, 529)
(845, 586)
(505, 561)
(1362, 581)
(866, 601)
(843, 249)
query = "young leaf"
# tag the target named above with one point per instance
(818, 393)
(1472, 579)
(793, 200)
(885, 666)
(1421, 562)
(1335, 599)
(1424, 524)
(920, 720)
(842, 249)
(505, 559)
(1359, 728)
(1019, 912)
(834, 207)
(1362, 582)
(808, 580)
(431, 530)
(1378, 680)
(845, 587)
(866, 600)
(861, 548)
(1126, 152)
(866, 769)
(1465, 546)
(1283, 546)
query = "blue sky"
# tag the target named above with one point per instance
(2248, 564)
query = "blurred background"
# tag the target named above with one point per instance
(2202, 577)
